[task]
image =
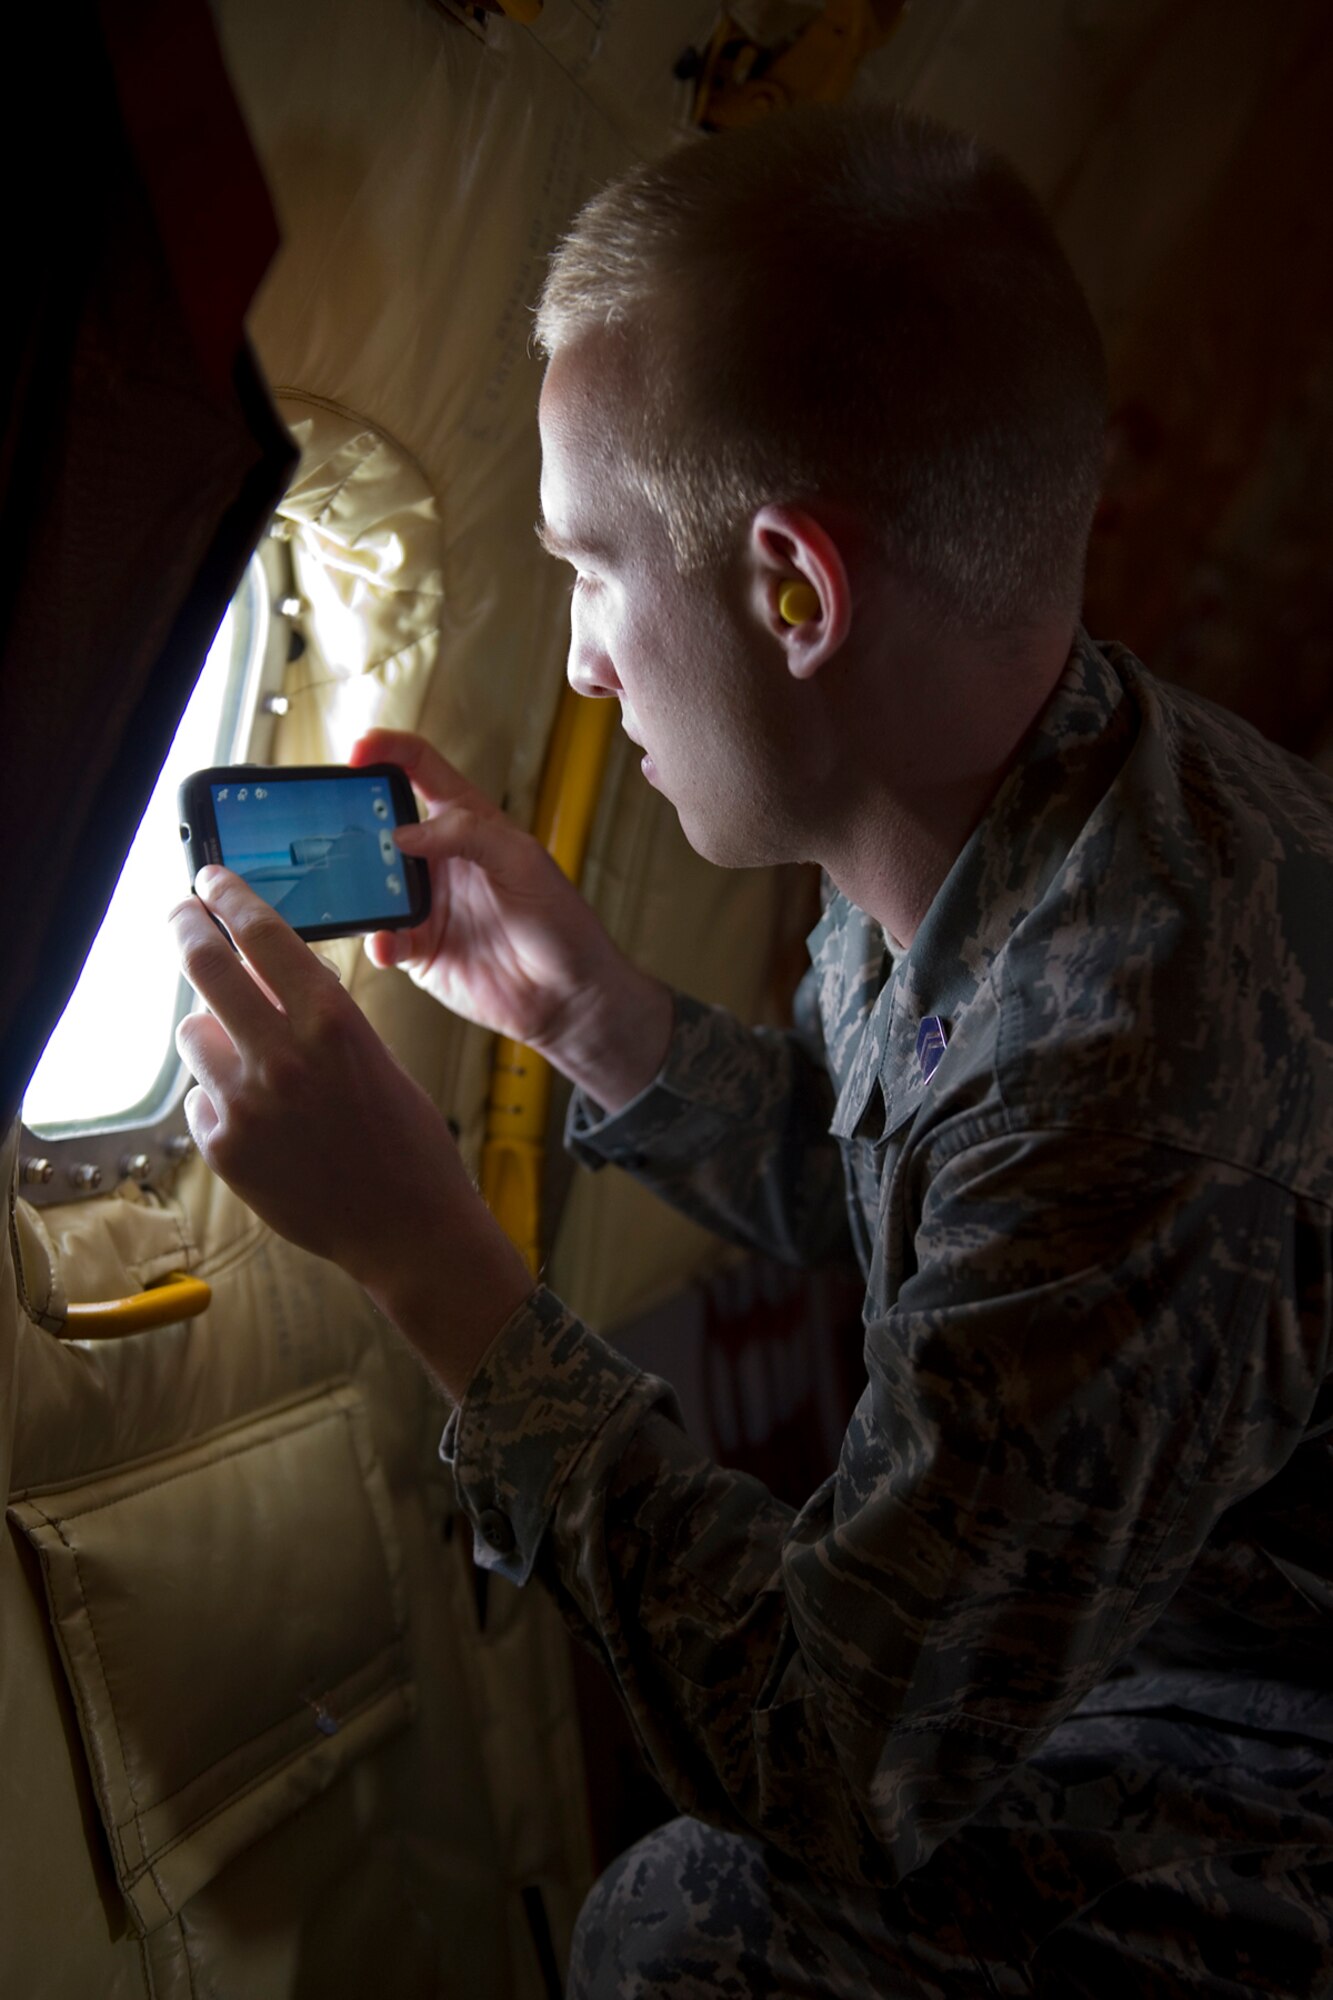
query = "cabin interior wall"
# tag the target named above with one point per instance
(1183, 149)
(405, 1863)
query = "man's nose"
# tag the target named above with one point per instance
(588, 669)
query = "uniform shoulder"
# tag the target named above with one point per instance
(1176, 977)
(1220, 759)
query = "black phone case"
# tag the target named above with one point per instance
(199, 834)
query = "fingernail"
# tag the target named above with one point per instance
(207, 878)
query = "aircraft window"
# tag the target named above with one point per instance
(337, 625)
(111, 1062)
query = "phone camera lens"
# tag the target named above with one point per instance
(185, 832)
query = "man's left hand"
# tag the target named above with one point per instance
(300, 1108)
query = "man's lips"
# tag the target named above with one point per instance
(646, 764)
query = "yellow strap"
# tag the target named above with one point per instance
(515, 1145)
(177, 1297)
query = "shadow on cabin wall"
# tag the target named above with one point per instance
(1212, 555)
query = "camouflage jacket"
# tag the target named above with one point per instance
(1089, 1473)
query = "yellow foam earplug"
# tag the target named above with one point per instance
(797, 603)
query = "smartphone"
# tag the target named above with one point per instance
(314, 840)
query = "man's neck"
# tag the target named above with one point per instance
(927, 748)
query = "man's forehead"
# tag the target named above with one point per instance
(582, 411)
(583, 419)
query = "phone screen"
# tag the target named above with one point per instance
(319, 849)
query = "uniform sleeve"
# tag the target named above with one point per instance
(734, 1132)
(1068, 1392)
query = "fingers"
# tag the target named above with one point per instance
(457, 832)
(282, 964)
(386, 948)
(201, 1119)
(217, 975)
(434, 777)
(209, 1054)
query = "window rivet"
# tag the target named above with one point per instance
(85, 1175)
(36, 1170)
(136, 1166)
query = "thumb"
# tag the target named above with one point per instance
(386, 948)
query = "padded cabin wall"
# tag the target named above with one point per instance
(496, 1790)
(403, 1869)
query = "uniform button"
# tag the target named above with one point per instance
(497, 1530)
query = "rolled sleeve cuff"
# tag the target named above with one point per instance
(710, 1080)
(547, 1394)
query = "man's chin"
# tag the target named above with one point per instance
(724, 846)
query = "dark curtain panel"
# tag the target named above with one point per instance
(139, 458)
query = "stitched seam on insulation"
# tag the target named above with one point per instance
(385, 1693)
(385, 1653)
(191, 1471)
(398, 1626)
(115, 1719)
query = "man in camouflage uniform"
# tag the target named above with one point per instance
(1035, 1694)
(1068, 1590)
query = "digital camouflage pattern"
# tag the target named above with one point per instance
(1059, 1631)
(699, 1914)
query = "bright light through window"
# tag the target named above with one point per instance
(110, 1046)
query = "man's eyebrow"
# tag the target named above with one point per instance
(565, 551)
(550, 541)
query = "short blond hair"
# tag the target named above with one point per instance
(862, 305)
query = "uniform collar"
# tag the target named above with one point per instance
(872, 1006)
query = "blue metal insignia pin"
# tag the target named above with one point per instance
(932, 1038)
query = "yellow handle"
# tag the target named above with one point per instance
(515, 1144)
(177, 1297)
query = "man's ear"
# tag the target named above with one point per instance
(805, 597)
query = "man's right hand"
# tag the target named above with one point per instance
(510, 943)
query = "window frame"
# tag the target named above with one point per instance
(73, 1162)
